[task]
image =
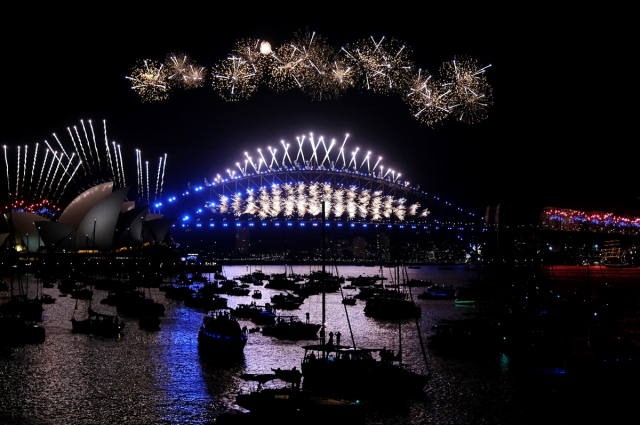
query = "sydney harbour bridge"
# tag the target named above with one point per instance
(353, 188)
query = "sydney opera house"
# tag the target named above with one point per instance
(100, 219)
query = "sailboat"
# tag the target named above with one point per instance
(360, 373)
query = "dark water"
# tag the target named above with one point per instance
(160, 377)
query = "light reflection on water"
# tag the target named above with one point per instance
(161, 377)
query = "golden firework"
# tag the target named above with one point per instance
(470, 95)
(149, 80)
(233, 79)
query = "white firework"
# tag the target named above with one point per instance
(400, 209)
(276, 201)
(264, 204)
(290, 200)
(376, 205)
(223, 205)
(237, 205)
(351, 203)
(363, 203)
(413, 209)
(315, 207)
(250, 203)
(301, 200)
(387, 206)
(338, 202)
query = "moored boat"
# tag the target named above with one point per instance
(222, 335)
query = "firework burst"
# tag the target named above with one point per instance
(234, 79)
(384, 65)
(182, 72)
(255, 53)
(149, 80)
(470, 92)
(428, 99)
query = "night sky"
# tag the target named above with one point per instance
(549, 139)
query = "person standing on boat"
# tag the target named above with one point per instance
(338, 335)
(330, 339)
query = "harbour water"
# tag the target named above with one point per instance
(160, 377)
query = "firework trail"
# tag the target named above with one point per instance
(147, 166)
(95, 144)
(68, 181)
(158, 180)
(6, 163)
(84, 168)
(138, 172)
(60, 144)
(116, 177)
(124, 180)
(53, 178)
(164, 165)
(24, 173)
(86, 137)
(33, 168)
(46, 179)
(44, 163)
(18, 175)
(84, 154)
(62, 176)
(106, 143)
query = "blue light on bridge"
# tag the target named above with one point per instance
(250, 224)
(315, 224)
(289, 224)
(364, 225)
(225, 224)
(264, 224)
(301, 224)
(389, 226)
(413, 227)
(277, 224)
(353, 225)
(198, 225)
(238, 224)
(212, 225)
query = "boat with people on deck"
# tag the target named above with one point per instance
(222, 335)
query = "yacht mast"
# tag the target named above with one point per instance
(324, 277)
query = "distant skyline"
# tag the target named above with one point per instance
(541, 145)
